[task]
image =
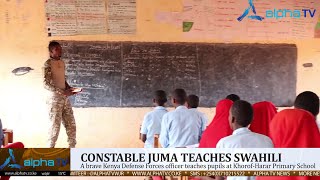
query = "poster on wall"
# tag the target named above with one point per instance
(91, 17)
(246, 19)
(85, 17)
(121, 16)
(61, 19)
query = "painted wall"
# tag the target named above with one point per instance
(22, 98)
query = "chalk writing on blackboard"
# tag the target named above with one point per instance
(124, 74)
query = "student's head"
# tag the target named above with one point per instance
(308, 101)
(179, 97)
(159, 98)
(233, 97)
(55, 50)
(241, 114)
(193, 101)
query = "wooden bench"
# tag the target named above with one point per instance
(8, 136)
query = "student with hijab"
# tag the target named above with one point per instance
(262, 116)
(294, 128)
(219, 127)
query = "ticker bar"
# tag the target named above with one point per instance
(195, 173)
(34, 173)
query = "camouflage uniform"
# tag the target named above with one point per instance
(60, 110)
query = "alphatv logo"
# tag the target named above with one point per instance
(276, 13)
(9, 159)
(282, 13)
(60, 162)
(10, 162)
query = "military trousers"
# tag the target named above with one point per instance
(60, 111)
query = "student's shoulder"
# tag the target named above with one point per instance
(196, 113)
(169, 114)
(202, 114)
(224, 142)
(174, 111)
(148, 114)
(263, 137)
(193, 111)
(161, 109)
(229, 138)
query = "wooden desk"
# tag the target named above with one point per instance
(8, 136)
(156, 143)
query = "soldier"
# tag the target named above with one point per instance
(60, 109)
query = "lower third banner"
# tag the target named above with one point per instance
(160, 162)
(195, 162)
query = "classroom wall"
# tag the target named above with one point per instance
(22, 98)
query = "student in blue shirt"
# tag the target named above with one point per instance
(151, 124)
(180, 127)
(193, 103)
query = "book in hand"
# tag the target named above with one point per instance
(76, 90)
(193, 146)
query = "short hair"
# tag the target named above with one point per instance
(308, 101)
(242, 111)
(160, 97)
(233, 97)
(52, 45)
(180, 96)
(193, 101)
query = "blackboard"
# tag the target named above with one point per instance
(124, 74)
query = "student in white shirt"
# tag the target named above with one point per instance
(180, 127)
(151, 124)
(241, 115)
(193, 103)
